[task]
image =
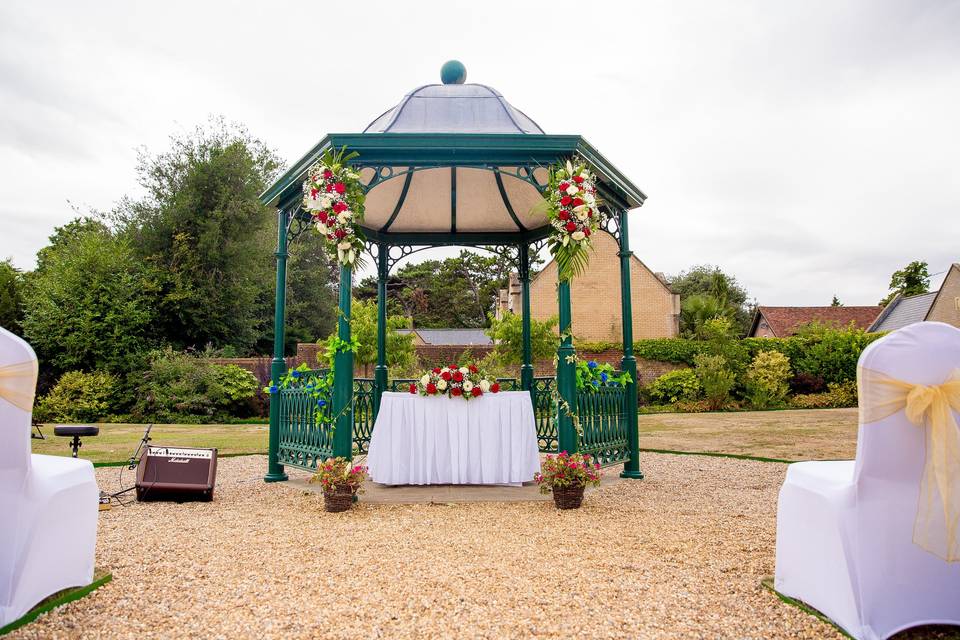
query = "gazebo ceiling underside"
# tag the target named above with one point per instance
(456, 187)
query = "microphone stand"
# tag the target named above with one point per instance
(133, 461)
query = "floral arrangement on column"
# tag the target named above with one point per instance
(573, 210)
(334, 196)
(455, 381)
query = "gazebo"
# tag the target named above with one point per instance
(455, 164)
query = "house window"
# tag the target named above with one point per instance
(956, 303)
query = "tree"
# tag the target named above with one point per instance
(836, 302)
(363, 327)
(913, 279)
(709, 280)
(696, 310)
(210, 240)
(507, 333)
(90, 304)
(311, 293)
(11, 296)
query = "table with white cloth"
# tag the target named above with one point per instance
(491, 439)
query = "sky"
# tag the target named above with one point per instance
(808, 148)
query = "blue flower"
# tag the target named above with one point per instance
(603, 376)
(321, 403)
(592, 364)
(295, 373)
(273, 388)
(595, 383)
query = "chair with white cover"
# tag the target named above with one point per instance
(872, 543)
(48, 504)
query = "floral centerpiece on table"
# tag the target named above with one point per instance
(567, 475)
(340, 480)
(592, 375)
(573, 210)
(334, 196)
(455, 381)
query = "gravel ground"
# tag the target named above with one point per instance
(679, 554)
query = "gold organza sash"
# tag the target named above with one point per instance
(938, 512)
(18, 382)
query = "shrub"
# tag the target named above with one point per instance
(682, 384)
(507, 334)
(767, 379)
(716, 379)
(831, 354)
(805, 383)
(675, 350)
(840, 394)
(77, 396)
(180, 387)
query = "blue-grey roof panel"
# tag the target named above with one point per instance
(906, 312)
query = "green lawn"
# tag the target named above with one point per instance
(117, 442)
(822, 434)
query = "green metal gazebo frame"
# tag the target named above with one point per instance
(607, 418)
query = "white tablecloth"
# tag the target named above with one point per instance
(440, 440)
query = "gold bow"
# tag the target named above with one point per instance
(18, 382)
(938, 511)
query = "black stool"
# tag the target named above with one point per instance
(76, 430)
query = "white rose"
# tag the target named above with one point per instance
(464, 370)
(310, 204)
(425, 380)
(582, 213)
(344, 217)
(322, 228)
(589, 199)
(344, 245)
(467, 386)
(577, 235)
(573, 190)
(485, 385)
(325, 202)
(441, 384)
(585, 174)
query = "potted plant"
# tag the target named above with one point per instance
(566, 476)
(341, 481)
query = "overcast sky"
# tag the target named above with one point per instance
(809, 148)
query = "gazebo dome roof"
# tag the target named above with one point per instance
(453, 107)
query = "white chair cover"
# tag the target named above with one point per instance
(845, 529)
(48, 504)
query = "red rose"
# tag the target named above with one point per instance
(413, 388)
(563, 186)
(476, 392)
(431, 388)
(436, 370)
(577, 202)
(339, 233)
(454, 366)
(578, 179)
(571, 226)
(322, 216)
(473, 368)
(456, 391)
(313, 192)
(445, 375)
(565, 200)
(589, 213)
(586, 231)
(329, 188)
(327, 173)
(457, 376)
(339, 206)
(340, 187)
(564, 215)
(495, 387)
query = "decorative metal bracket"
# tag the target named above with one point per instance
(612, 224)
(297, 223)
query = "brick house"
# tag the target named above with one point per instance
(782, 322)
(939, 306)
(596, 297)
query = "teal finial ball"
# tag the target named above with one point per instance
(453, 72)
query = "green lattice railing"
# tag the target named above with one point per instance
(362, 413)
(601, 413)
(303, 442)
(603, 421)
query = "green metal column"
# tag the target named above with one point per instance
(566, 375)
(526, 369)
(278, 366)
(631, 468)
(380, 373)
(343, 374)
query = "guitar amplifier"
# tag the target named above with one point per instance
(176, 473)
